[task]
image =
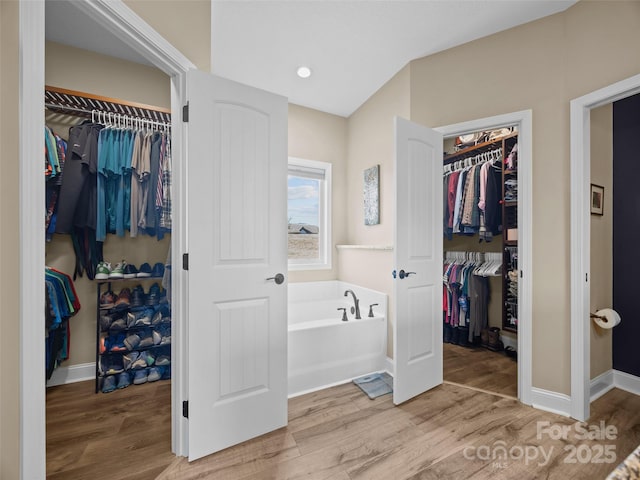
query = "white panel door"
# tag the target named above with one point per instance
(237, 224)
(418, 261)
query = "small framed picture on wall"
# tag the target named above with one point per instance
(597, 199)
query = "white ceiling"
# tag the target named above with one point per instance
(352, 46)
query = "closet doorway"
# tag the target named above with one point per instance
(480, 289)
(133, 33)
(489, 260)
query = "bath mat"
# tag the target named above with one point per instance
(375, 385)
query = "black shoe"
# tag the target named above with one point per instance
(446, 333)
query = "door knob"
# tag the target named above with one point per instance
(402, 274)
(279, 278)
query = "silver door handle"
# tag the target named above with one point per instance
(279, 278)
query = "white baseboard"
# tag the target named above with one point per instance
(614, 379)
(553, 402)
(72, 374)
(627, 382)
(601, 384)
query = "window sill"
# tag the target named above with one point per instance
(297, 267)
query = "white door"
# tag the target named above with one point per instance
(237, 224)
(418, 261)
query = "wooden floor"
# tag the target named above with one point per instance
(337, 434)
(481, 368)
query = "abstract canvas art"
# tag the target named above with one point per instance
(372, 195)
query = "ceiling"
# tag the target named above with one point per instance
(353, 47)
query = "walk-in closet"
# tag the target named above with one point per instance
(480, 264)
(108, 227)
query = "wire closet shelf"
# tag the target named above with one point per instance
(106, 110)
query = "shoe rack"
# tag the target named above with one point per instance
(110, 357)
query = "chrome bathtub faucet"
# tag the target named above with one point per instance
(356, 307)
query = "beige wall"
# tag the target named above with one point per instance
(77, 69)
(9, 245)
(315, 135)
(540, 66)
(602, 236)
(371, 142)
(186, 24)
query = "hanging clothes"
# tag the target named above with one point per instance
(61, 304)
(55, 155)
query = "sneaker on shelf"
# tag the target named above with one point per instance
(166, 375)
(103, 270)
(153, 298)
(124, 298)
(158, 270)
(140, 377)
(163, 360)
(146, 339)
(148, 357)
(132, 341)
(145, 271)
(157, 337)
(114, 365)
(128, 359)
(105, 321)
(118, 270)
(118, 324)
(137, 296)
(107, 300)
(109, 384)
(124, 380)
(155, 374)
(130, 271)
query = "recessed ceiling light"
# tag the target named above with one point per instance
(304, 72)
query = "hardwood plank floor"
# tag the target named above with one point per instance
(481, 368)
(120, 435)
(449, 432)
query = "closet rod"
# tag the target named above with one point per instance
(102, 115)
(81, 102)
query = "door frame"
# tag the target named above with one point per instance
(124, 23)
(523, 121)
(580, 236)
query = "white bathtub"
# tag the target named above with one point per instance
(324, 350)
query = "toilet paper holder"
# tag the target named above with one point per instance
(601, 317)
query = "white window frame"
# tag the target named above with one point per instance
(324, 220)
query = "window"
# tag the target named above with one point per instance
(309, 214)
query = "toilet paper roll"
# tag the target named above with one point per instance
(606, 318)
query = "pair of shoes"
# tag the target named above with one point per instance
(124, 298)
(118, 270)
(103, 270)
(111, 365)
(124, 380)
(107, 300)
(108, 384)
(145, 271)
(163, 360)
(140, 377)
(115, 343)
(155, 293)
(155, 374)
(130, 271)
(132, 341)
(494, 343)
(137, 296)
(158, 270)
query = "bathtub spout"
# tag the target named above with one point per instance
(356, 303)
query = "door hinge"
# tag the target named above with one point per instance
(521, 274)
(185, 261)
(185, 409)
(185, 113)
